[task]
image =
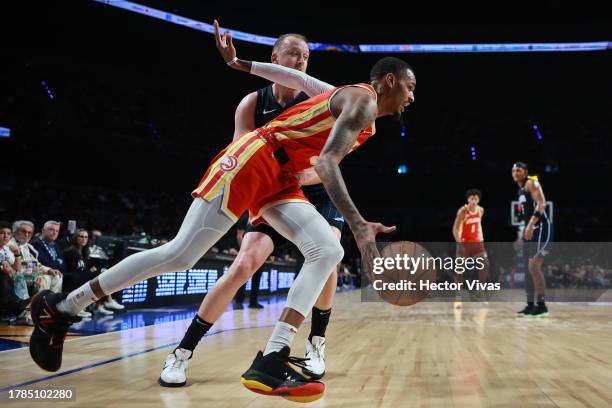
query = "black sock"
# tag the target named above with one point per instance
(320, 320)
(197, 329)
(540, 300)
(530, 303)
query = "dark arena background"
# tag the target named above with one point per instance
(110, 117)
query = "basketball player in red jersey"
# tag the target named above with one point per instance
(467, 230)
(259, 172)
(256, 109)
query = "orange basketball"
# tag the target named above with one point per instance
(399, 282)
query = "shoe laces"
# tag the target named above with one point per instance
(297, 361)
(317, 350)
(179, 361)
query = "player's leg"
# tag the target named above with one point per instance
(479, 257)
(255, 249)
(204, 224)
(544, 243)
(528, 252)
(321, 312)
(539, 283)
(307, 229)
(462, 251)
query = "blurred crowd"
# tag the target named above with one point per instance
(35, 261)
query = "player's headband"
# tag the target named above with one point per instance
(521, 165)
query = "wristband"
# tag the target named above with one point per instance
(538, 215)
(232, 61)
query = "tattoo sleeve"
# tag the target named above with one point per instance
(354, 118)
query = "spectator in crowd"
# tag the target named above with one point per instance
(76, 269)
(33, 276)
(10, 263)
(78, 272)
(345, 279)
(99, 259)
(49, 254)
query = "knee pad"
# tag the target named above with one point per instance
(328, 253)
(180, 261)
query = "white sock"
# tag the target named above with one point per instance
(282, 336)
(77, 300)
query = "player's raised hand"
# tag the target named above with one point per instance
(224, 43)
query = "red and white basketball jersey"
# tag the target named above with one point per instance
(471, 230)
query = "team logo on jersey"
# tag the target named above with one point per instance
(229, 163)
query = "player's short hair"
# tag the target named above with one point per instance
(521, 165)
(473, 191)
(389, 65)
(280, 40)
(5, 224)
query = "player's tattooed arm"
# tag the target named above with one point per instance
(355, 109)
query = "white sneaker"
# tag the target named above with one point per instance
(84, 313)
(104, 311)
(175, 367)
(315, 353)
(113, 304)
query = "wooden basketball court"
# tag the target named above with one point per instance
(378, 355)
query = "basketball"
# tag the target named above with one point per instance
(399, 281)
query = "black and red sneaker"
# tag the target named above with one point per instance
(272, 375)
(50, 328)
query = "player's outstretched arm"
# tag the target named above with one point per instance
(356, 110)
(291, 78)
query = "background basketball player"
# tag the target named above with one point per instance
(467, 231)
(537, 236)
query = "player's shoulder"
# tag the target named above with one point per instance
(248, 103)
(531, 183)
(357, 91)
(251, 97)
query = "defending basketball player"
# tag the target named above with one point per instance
(537, 237)
(467, 231)
(259, 172)
(255, 110)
